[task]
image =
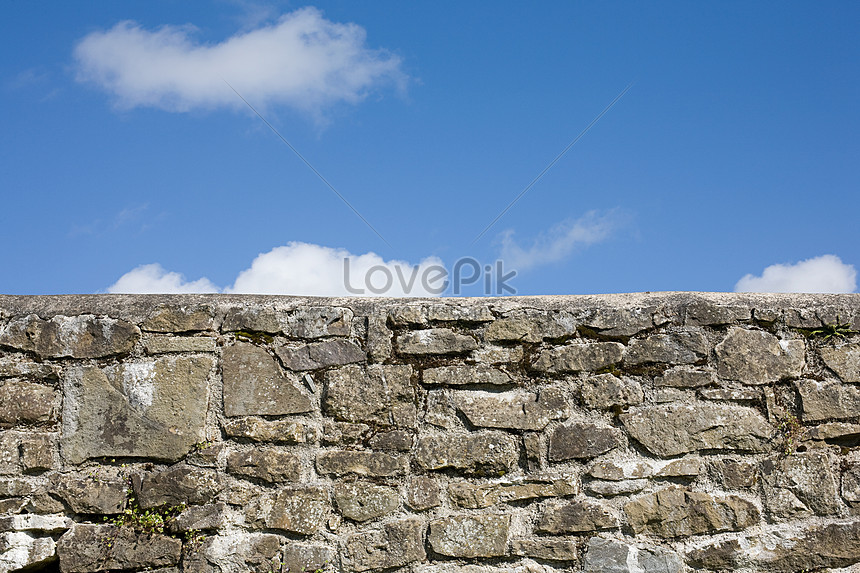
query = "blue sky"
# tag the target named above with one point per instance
(127, 161)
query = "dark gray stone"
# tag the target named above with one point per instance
(84, 549)
(319, 321)
(94, 493)
(336, 352)
(530, 326)
(582, 440)
(576, 517)
(579, 357)
(379, 394)
(271, 465)
(180, 484)
(801, 483)
(254, 385)
(83, 336)
(677, 512)
(484, 453)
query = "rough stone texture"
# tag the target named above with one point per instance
(379, 394)
(514, 410)
(685, 377)
(301, 510)
(371, 464)
(335, 352)
(622, 322)
(844, 360)
(579, 357)
(91, 494)
(828, 400)
(200, 518)
(466, 375)
(176, 485)
(303, 556)
(530, 326)
(546, 549)
(26, 402)
(271, 465)
(676, 512)
(582, 440)
(470, 536)
(180, 319)
(757, 357)
(472, 496)
(318, 321)
(851, 483)
(672, 429)
(605, 391)
(435, 341)
(254, 385)
(361, 501)
(84, 549)
(151, 408)
(396, 544)
(260, 430)
(38, 452)
(576, 517)
(234, 552)
(166, 344)
(736, 474)
(802, 482)
(70, 336)
(676, 348)
(422, 493)
(604, 555)
(486, 453)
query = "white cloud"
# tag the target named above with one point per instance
(303, 61)
(153, 279)
(303, 269)
(559, 242)
(824, 274)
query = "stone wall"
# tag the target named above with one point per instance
(623, 433)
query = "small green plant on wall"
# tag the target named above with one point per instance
(790, 431)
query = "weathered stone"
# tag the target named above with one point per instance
(677, 512)
(380, 394)
(254, 385)
(844, 360)
(675, 348)
(617, 471)
(180, 318)
(524, 566)
(379, 345)
(476, 496)
(38, 451)
(271, 465)
(707, 313)
(684, 467)
(621, 322)
(177, 485)
(336, 352)
(361, 501)
(235, 552)
(685, 377)
(10, 443)
(167, 344)
(851, 483)
(834, 431)
(207, 454)
(344, 433)
(485, 453)
(757, 357)
(27, 402)
(82, 549)
(515, 410)
(467, 375)
(17, 486)
(319, 321)
(605, 391)
(82, 336)
(408, 315)
(200, 518)
(261, 430)
(531, 326)
(498, 354)
(301, 510)
(435, 341)
(671, 429)
(371, 464)
(576, 517)
(546, 549)
(304, 558)
(470, 536)
(440, 411)
(582, 440)
(20, 551)
(828, 399)
(254, 319)
(579, 357)
(815, 547)
(15, 367)
(152, 408)
(731, 394)
(41, 523)
(422, 493)
(612, 556)
(93, 493)
(395, 440)
(397, 544)
(613, 488)
(460, 313)
(803, 482)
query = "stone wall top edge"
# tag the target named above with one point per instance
(138, 306)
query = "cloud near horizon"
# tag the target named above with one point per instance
(560, 241)
(303, 61)
(824, 274)
(299, 269)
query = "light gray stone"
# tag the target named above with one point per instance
(463, 375)
(305, 557)
(513, 410)
(269, 464)
(844, 360)
(27, 402)
(84, 336)
(261, 430)
(177, 485)
(621, 322)
(21, 551)
(397, 544)
(685, 377)
(362, 501)
(614, 488)
(576, 517)
(731, 394)
(677, 512)
(804, 482)
(234, 552)
(531, 326)
(582, 440)
(470, 536)
(671, 429)
(379, 394)
(605, 391)
(707, 313)
(851, 483)
(200, 518)
(435, 341)
(674, 348)
(422, 493)
(483, 453)
(470, 495)
(153, 408)
(828, 399)
(254, 385)
(300, 509)
(19, 366)
(757, 357)
(379, 345)
(180, 318)
(167, 344)
(335, 352)
(613, 556)
(579, 357)
(370, 464)
(318, 321)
